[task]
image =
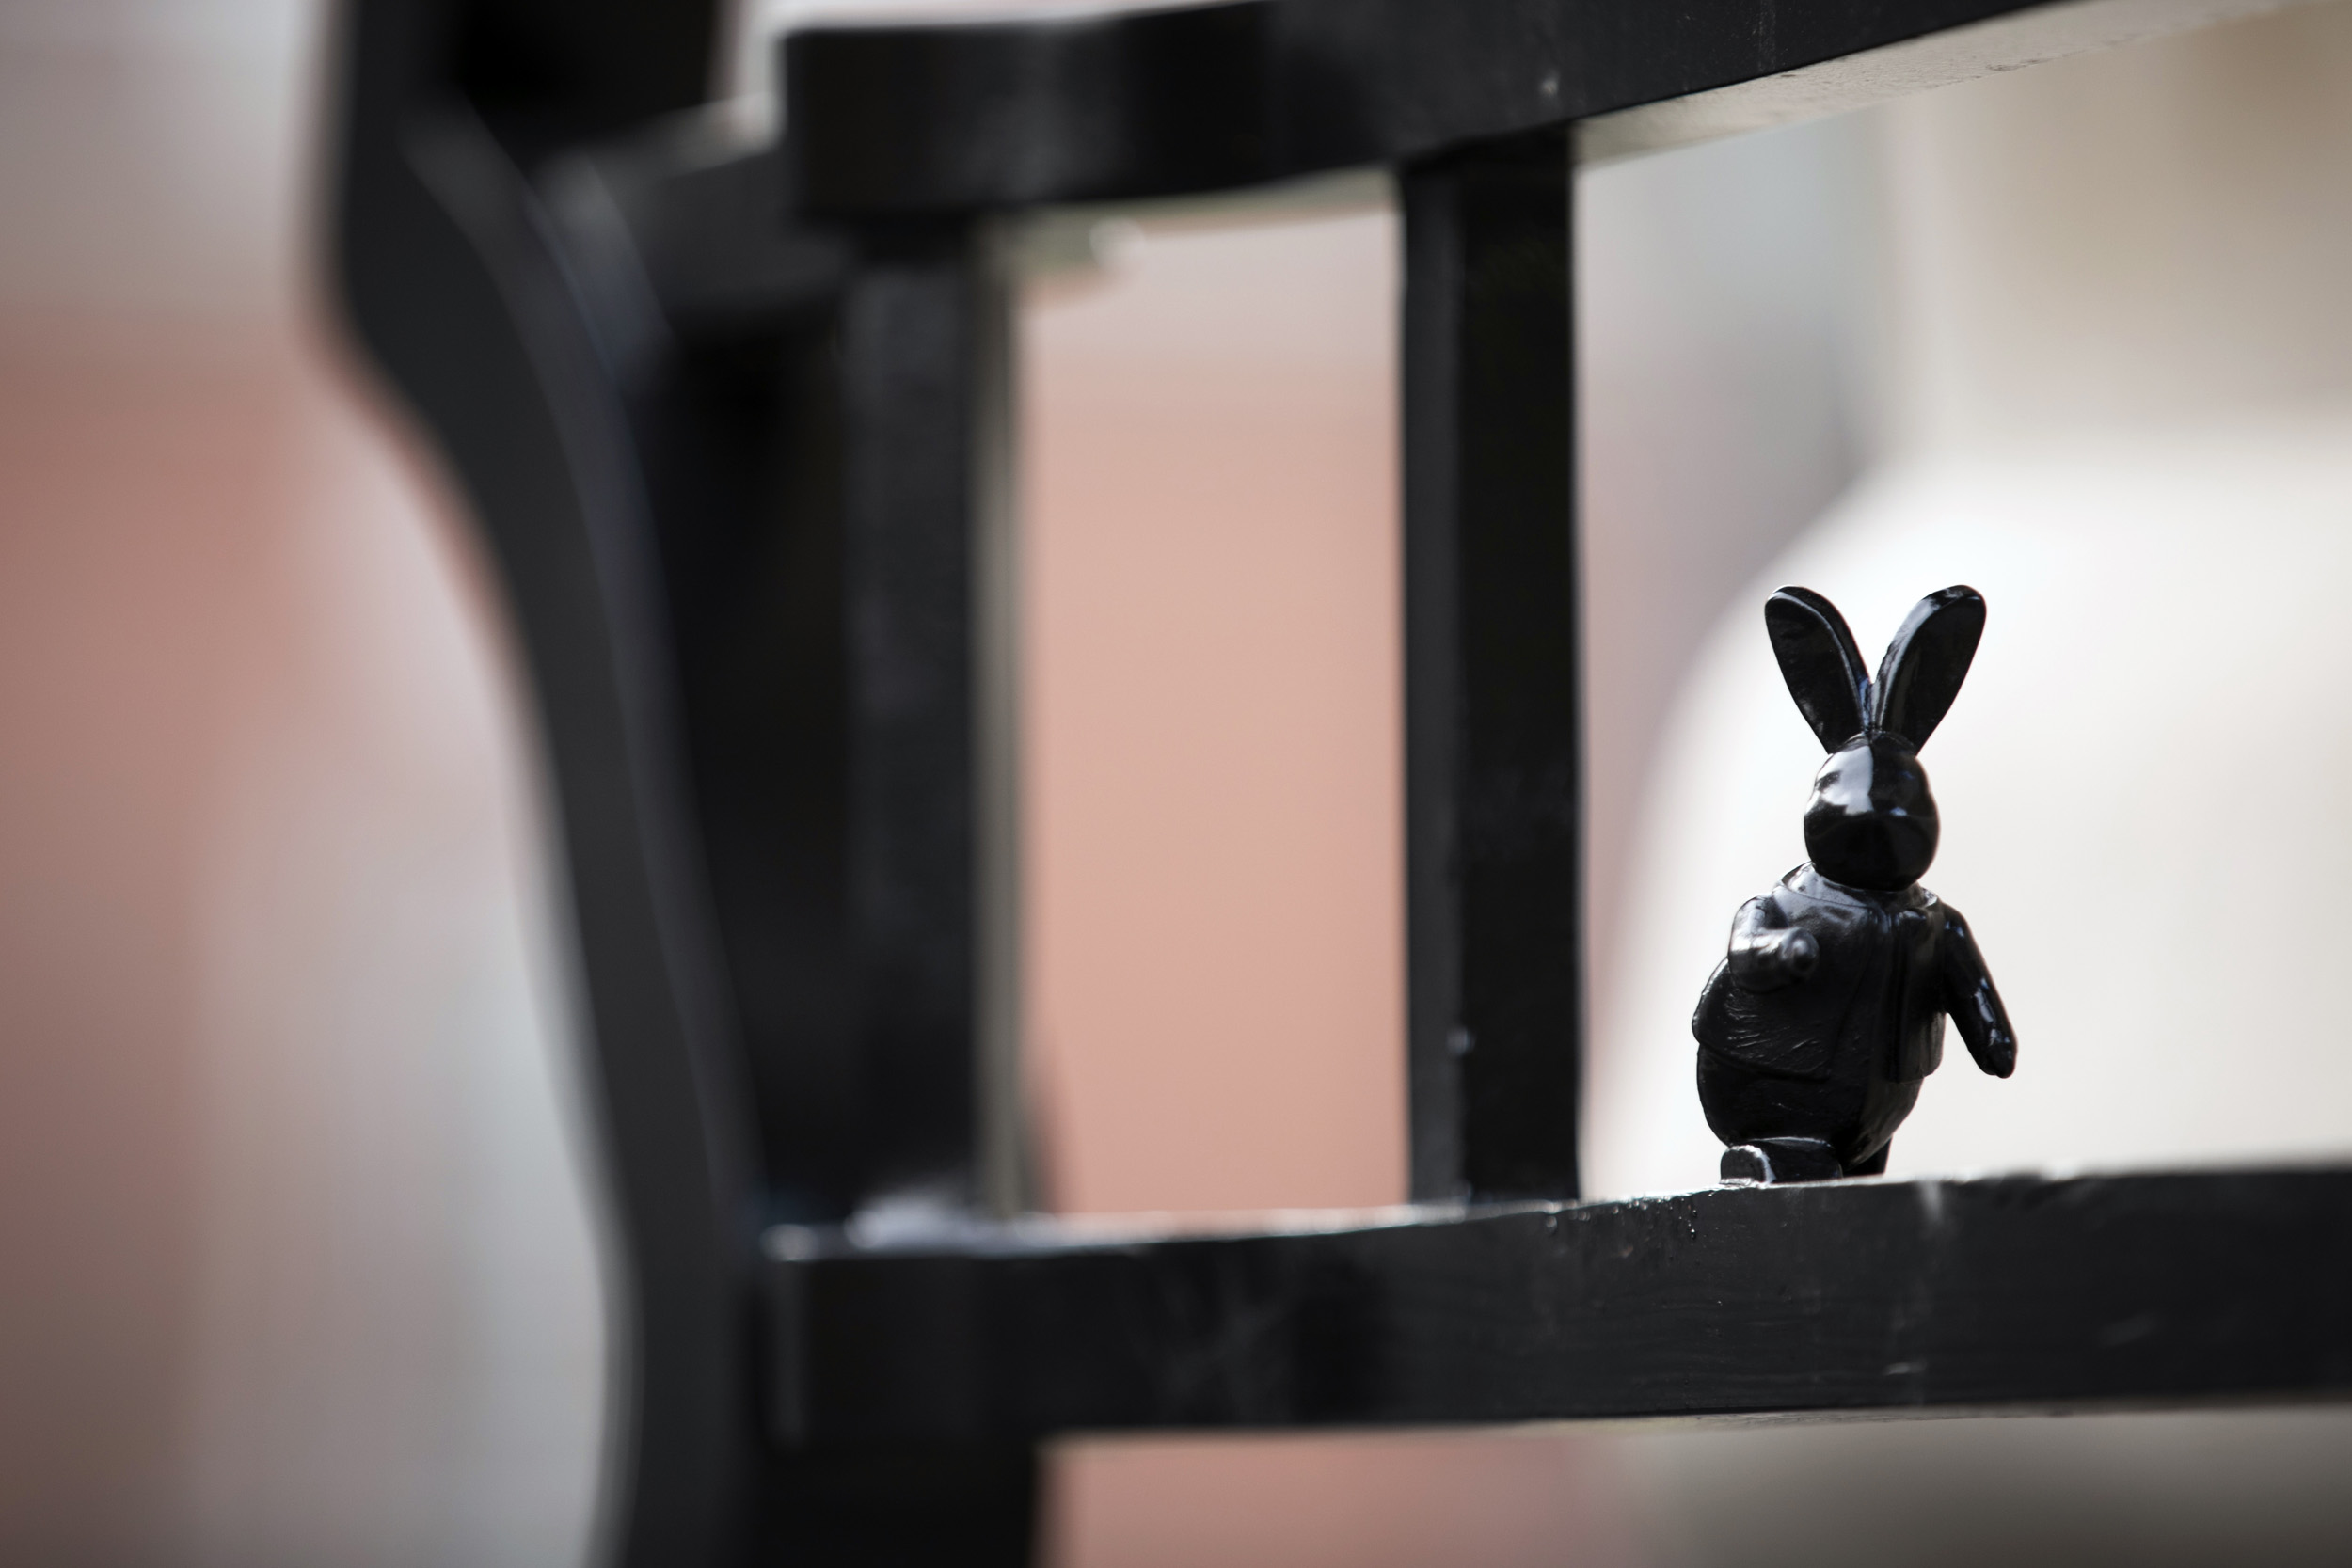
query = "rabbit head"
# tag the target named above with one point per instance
(1871, 822)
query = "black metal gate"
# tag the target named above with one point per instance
(729, 417)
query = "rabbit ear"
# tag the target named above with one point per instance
(1820, 663)
(1926, 663)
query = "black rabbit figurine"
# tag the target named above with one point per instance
(1815, 1029)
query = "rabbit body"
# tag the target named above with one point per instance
(1836, 1055)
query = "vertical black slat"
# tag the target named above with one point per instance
(742, 442)
(910, 340)
(1492, 768)
(918, 342)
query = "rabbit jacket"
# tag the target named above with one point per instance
(1890, 966)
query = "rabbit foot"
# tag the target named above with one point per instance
(1768, 1161)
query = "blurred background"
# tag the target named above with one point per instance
(298, 1219)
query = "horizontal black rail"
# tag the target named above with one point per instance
(2011, 1292)
(944, 117)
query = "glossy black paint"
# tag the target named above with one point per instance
(1828, 1011)
(1872, 817)
(1493, 703)
(2014, 1293)
(912, 331)
(948, 117)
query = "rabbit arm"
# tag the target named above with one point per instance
(1970, 998)
(1766, 953)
